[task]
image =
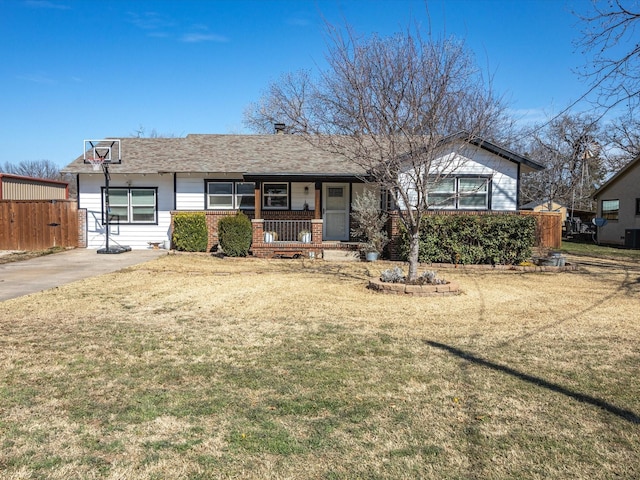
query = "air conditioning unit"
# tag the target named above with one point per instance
(632, 238)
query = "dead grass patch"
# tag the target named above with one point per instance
(191, 366)
(8, 256)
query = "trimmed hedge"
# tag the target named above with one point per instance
(190, 232)
(234, 234)
(473, 239)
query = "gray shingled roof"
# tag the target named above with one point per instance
(250, 155)
(246, 154)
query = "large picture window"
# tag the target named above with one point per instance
(610, 209)
(472, 193)
(465, 193)
(230, 195)
(443, 194)
(275, 196)
(131, 205)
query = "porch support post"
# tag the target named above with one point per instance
(316, 230)
(257, 225)
(317, 214)
(258, 201)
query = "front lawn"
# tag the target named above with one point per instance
(591, 249)
(196, 367)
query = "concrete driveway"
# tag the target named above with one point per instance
(42, 273)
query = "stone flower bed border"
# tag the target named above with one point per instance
(453, 288)
(415, 290)
(520, 268)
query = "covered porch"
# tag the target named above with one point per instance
(303, 233)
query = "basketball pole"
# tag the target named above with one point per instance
(106, 159)
(105, 169)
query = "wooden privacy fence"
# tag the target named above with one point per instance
(38, 224)
(548, 228)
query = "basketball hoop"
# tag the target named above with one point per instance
(96, 162)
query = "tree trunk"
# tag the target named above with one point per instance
(414, 249)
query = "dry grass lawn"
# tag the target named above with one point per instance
(197, 367)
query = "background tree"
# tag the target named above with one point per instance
(33, 168)
(623, 141)
(570, 148)
(141, 132)
(610, 36)
(385, 104)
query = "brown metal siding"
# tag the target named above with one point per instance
(38, 224)
(17, 188)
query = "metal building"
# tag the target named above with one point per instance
(17, 187)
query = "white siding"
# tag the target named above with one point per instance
(475, 161)
(503, 173)
(356, 189)
(359, 188)
(134, 236)
(299, 197)
(190, 192)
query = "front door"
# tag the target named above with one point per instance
(335, 209)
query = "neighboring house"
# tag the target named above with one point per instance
(18, 187)
(546, 206)
(288, 188)
(618, 202)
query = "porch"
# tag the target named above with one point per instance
(293, 239)
(297, 233)
(292, 217)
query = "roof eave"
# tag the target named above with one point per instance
(620, 173)
(493, 148)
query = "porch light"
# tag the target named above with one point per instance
(306, 189)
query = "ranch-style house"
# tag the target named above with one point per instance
(297, 196)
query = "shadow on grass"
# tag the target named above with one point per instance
(581, 397)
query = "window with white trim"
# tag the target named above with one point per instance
(246, 195)
(610, 209)
(131, 205)
(230, 195)
(443, 194)
(463, 193)
(275, 196)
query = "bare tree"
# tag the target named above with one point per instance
(141, 132)
(570, 148)
(387, 105)
(34, 168)
(284, 101)
(610, 34)
(623, 141)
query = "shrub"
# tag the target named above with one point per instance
(369, 221)
(474, 239)
(396, 275)
(190, 232)
(430, 278)
(234, 233)
(392, 275)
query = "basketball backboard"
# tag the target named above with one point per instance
(108, 150)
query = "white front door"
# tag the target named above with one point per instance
(335, 208)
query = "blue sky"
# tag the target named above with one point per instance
(83, 69)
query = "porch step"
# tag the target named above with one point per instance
(341, 255)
